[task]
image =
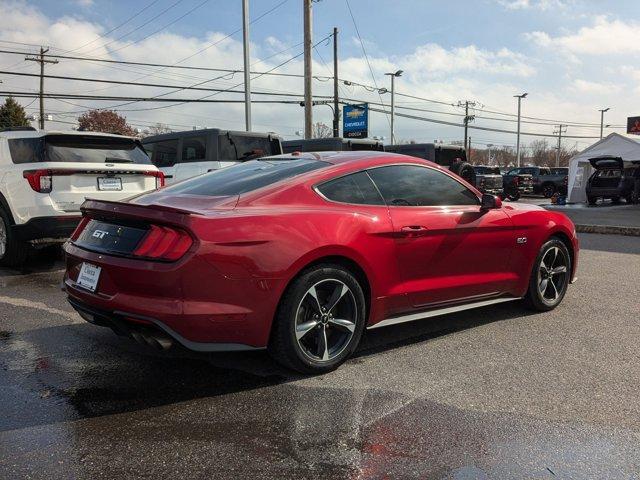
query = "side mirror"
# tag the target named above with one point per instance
(490, 202)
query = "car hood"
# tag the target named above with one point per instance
(522, 207)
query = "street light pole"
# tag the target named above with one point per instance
(393, 76)
(247, 76)
(336, 110)
(519, 97)
(602, 120)
(308, 45)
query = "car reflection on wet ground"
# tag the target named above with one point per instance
(492, 393)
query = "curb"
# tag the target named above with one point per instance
(609, 230)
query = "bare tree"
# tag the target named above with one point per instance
(321, 130)
(156, 129)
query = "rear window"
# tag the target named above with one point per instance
(77, 148)
(245, 177)
(243, 147)
(164, 153)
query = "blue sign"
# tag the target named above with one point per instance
(355, 121)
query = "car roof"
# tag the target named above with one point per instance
(44, 133)
(216, 131)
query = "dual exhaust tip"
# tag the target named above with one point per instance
(154, 340)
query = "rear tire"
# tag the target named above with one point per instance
(548, 189)
(464, 170)
(615, 200)
(592, 200)
(320, 320)
(550, 276)
(13, 252)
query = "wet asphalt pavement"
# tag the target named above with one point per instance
(492, 393)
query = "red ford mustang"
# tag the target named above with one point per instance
(300, 253)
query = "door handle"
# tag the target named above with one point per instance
(414, 230)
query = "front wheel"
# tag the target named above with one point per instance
(550, 276)
(319, 321)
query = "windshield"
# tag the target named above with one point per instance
(78, 149)
(245, 177)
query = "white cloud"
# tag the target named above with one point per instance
(84, 3)
(603, 37)
(432, 59)
(533, 4)
(597, 88)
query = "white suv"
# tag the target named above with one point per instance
(46, 176)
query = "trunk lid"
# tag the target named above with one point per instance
(606, 162)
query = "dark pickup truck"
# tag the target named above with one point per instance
(516, 184)
(488, 180)
(546, 181)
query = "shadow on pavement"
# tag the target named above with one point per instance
(79, 371)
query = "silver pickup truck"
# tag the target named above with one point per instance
(488, 179)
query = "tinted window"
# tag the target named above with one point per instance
(77, 148)
(487, 170)
(194, 149)
(245, 177)
(448, 156)
(355, 188)
(164, 153)
(409, 185)
(240, 147)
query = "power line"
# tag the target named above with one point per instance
(137, 28)
(366, 57)
(149, 5)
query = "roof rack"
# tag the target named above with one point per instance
(18, 129)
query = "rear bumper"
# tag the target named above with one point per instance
(607, 192)
(189, 300)
(131, 325)
(46, 228)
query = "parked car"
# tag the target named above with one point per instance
(545, 181)
(610, 180)
(332, 144)
(300, 253)
(515, 184)
(488, 180)
(182, 155)
(45, 177)
(451, 156)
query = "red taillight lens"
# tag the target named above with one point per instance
(164, 243)
(159, 177)
(81, 226)
(39, 180)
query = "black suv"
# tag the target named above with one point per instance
(611, 179)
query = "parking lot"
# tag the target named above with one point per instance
(491, 393)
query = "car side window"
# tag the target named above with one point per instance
(413, 185)
(164, 153)
(355, 188)
(194, 149)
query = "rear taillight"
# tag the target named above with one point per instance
(565, 181)
(81, 226)
(159, 177)
(39, 180)
(164, 243)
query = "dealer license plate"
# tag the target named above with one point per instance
(109, 183)
(88, 277)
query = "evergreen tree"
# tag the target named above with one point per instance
(12, 114)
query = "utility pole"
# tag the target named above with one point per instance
(602, 120)
(467, 118)
(519, 97)
(561, 129)
(247, 76)
(469, 151)
(308, 45)
(41, 60)
(336, 111)
(393, 76)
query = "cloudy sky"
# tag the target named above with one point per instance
(572, 57)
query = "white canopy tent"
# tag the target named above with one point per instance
(626, 147)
